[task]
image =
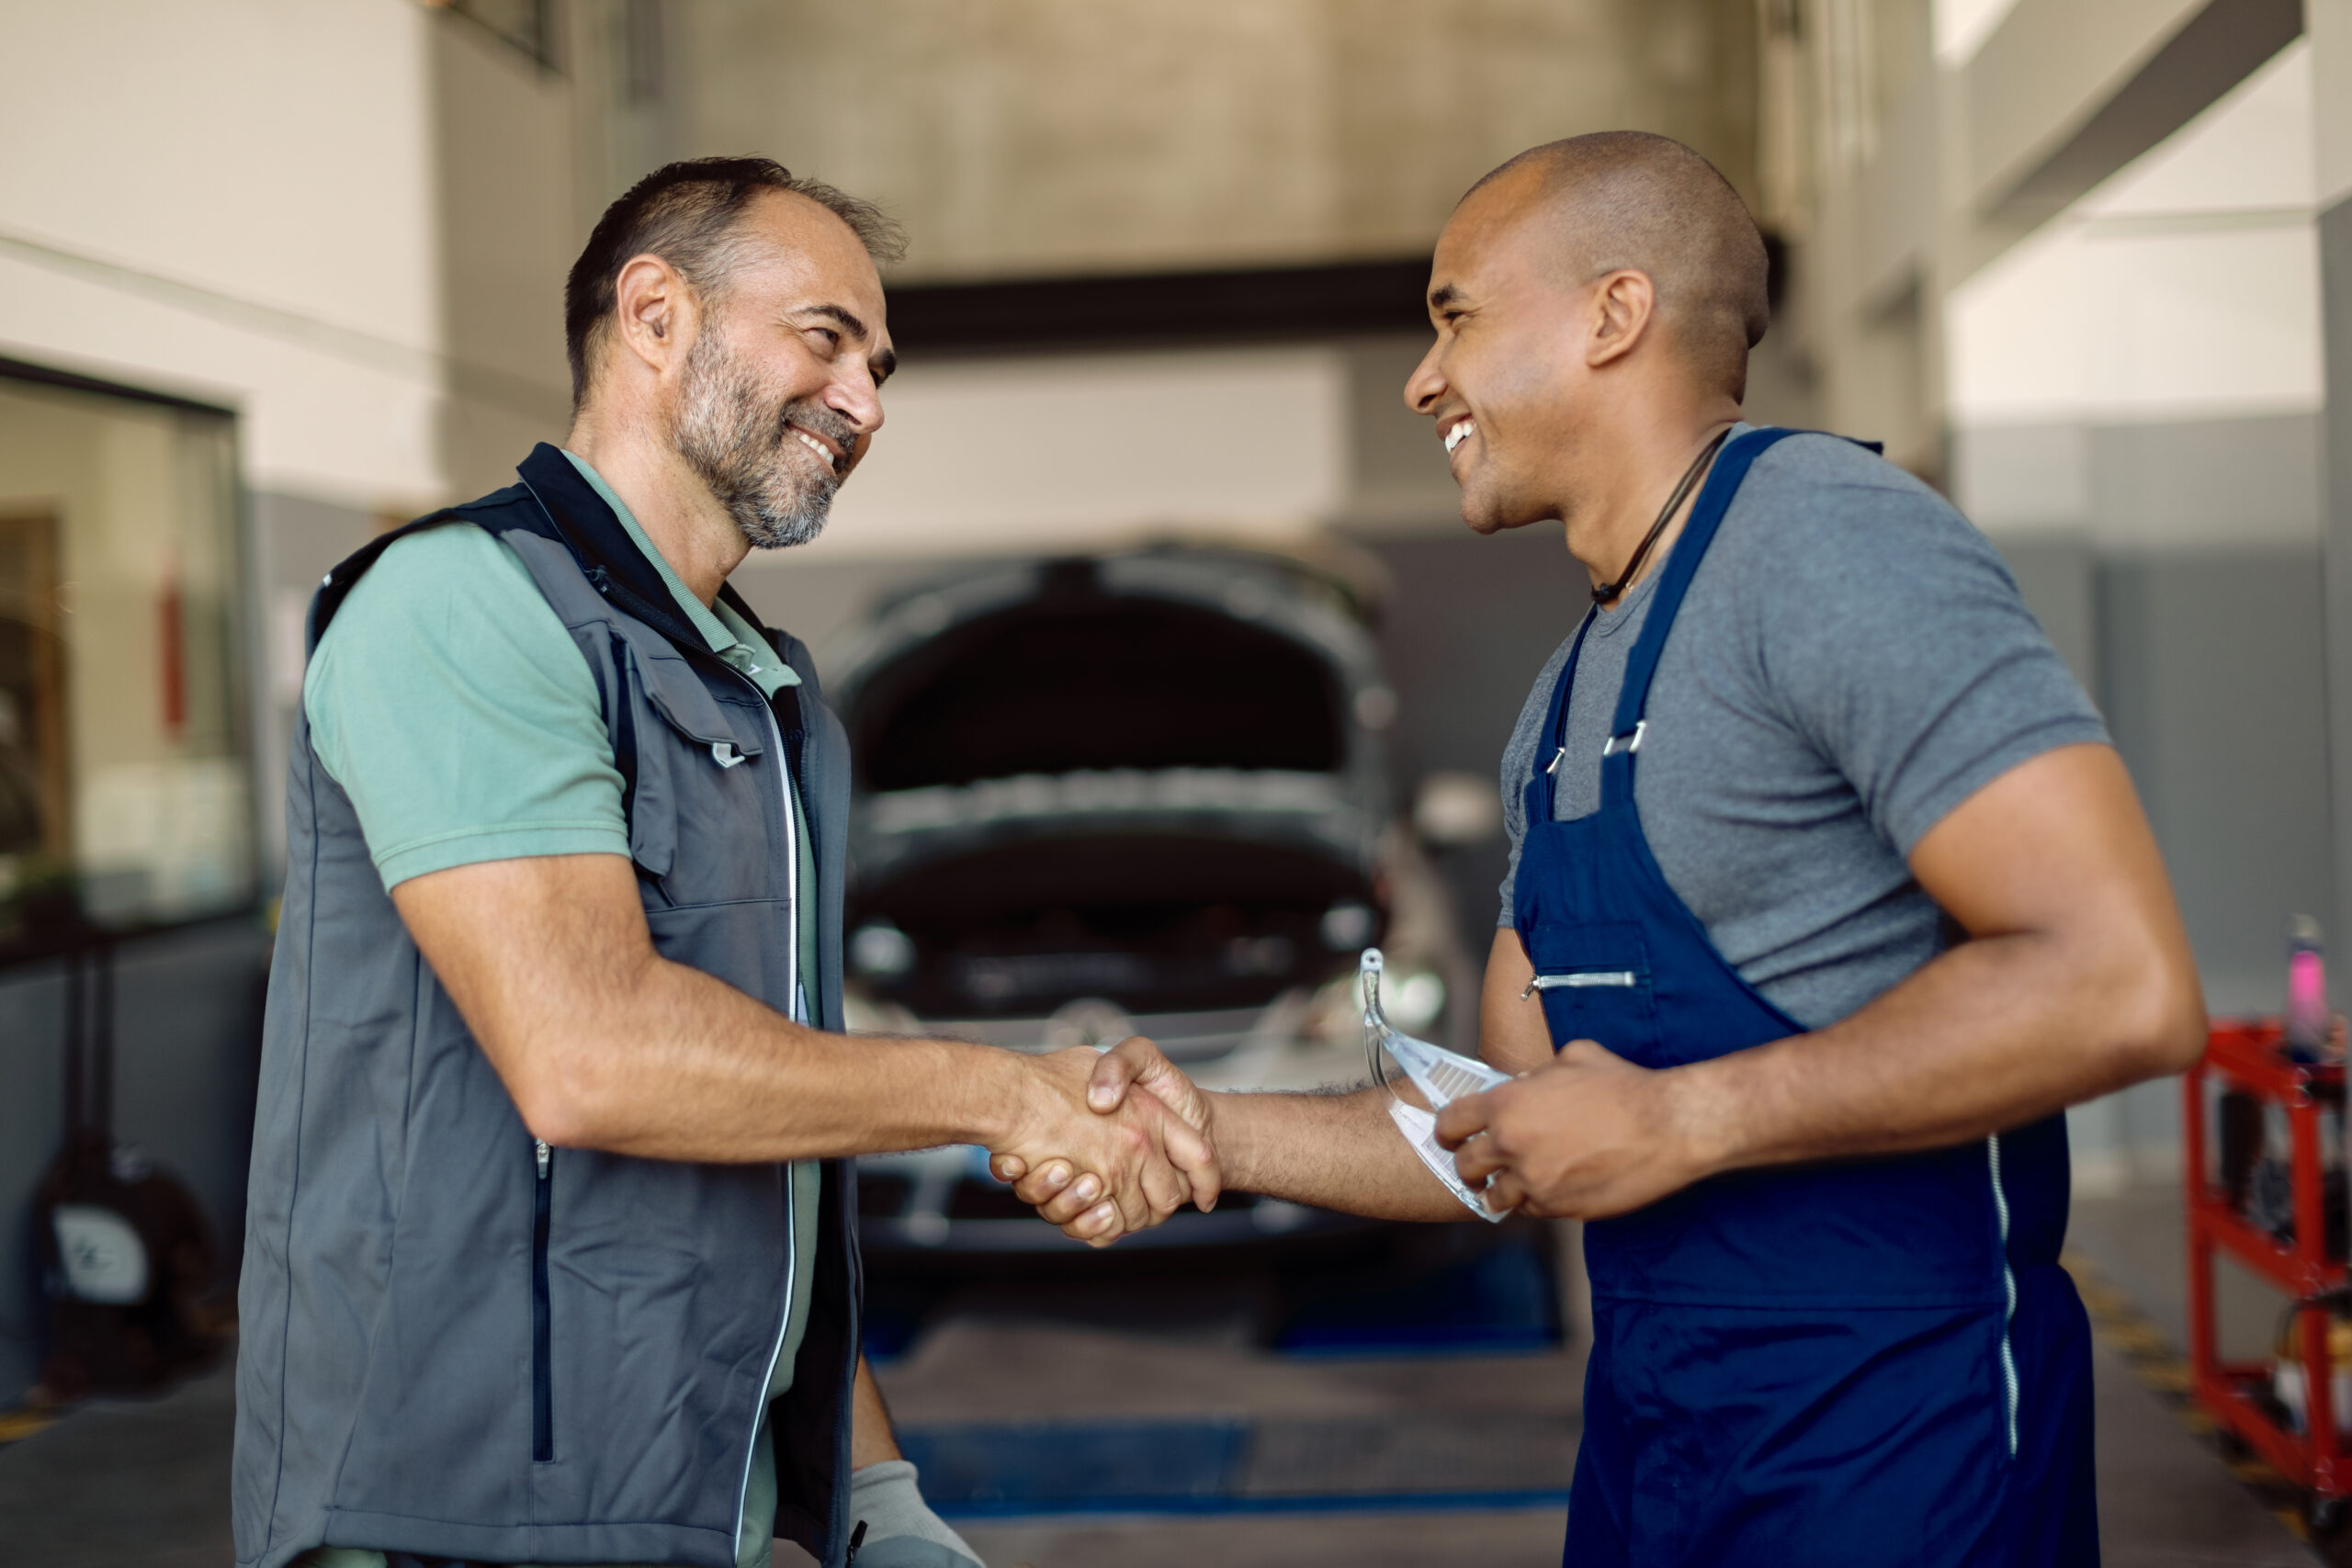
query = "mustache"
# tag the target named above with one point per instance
(819, 420)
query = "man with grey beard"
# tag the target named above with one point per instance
(552, 1242)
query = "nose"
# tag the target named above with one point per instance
(853, 396)
(1426, 385)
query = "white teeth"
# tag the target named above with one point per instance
(814, 445)
(1457, 435)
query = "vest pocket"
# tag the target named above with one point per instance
(1595, 984)
(542, 1336)
(701, 782)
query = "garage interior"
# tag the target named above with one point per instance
(2084, 265)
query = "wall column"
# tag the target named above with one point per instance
(2329, 26)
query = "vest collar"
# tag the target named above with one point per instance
(582, 522)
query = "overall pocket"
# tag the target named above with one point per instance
(1595, 984)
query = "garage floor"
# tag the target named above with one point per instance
(1188, 1441)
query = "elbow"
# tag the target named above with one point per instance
(559, 1100)
(558, 1119)
(2159, 1022)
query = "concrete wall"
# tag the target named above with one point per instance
(2135, 394)
(1049, 136)
(506, 205)
(347, 221)
(234, 201)
(2329, 24)
(295, 541)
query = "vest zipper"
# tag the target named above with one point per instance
(542, 1349)
(1579, 980)
(2009, 1286)
(793, 992)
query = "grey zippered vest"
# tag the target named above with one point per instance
(444, 1352)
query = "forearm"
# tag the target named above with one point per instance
(604, 1044)
(1334, 1151)
(1993, 1034)
(672, 1064)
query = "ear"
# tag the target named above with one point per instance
(656, 313)
(1625, 306)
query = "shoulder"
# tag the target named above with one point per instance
(1819, 514)
(1829, 481)
(449, 606)
(453, 587)
(453, 559)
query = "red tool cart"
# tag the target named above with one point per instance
(2245, 1057)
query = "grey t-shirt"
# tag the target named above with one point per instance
(1851, 661)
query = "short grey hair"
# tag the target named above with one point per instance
(687, 214)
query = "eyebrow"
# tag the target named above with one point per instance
(1444, 295)
(884, 362)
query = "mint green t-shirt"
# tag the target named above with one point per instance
(451, 704)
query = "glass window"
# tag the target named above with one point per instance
(126, 797)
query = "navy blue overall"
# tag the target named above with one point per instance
(1864, 1362)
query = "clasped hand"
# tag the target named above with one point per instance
(1587, 1135)
(1102, 1162)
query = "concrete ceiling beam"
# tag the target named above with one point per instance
(2066, 92)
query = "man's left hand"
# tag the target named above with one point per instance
(1587, 1136)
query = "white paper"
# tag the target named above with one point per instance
(1419, 1128)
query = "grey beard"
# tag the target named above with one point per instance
(732, 438)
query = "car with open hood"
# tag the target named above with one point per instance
(1137, 793)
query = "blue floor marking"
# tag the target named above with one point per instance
(1004, 1469)
(1330, 1503)
(1030, 1467)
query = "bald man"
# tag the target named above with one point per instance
(1828, 896)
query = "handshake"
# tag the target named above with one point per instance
(1111, 1142)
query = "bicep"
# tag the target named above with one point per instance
(452, 707)
(2054, 861)
(2057, 842)
(531, 950)
(1512, 1034)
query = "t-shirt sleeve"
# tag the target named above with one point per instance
(1514, 835)
(450, 704)
(1897, 643)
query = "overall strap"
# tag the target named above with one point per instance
(1545, 785)
(1674, 580)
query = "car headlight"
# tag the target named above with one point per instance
(1347, 927)
(881, 950)
(1413, 1001)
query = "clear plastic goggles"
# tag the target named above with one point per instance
(1415, 1072)
(1421, 1079)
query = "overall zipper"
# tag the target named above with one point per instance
(1579, 979)
(2009, 1285)
(791, 990)
(542, 1350)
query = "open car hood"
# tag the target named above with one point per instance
(1154, 778)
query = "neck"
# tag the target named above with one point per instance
(1618, 503)
(668, 499)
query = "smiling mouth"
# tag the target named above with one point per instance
(816, 444)
(1463, 430)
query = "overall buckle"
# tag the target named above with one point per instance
(1626, 742)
